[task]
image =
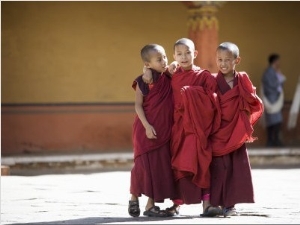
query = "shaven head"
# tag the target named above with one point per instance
(185, 41)
(148, 49)
(231, 47)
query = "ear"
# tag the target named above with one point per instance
(195, 54)
(147, 64)
(174, 57)
(238, 60)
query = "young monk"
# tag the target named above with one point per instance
(195, 118)
(195, 111)
(152, 174)
(231, 180)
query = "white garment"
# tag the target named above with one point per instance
(295, 108)
(268, 106)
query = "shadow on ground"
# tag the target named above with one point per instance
(138, 220)
(104, 220)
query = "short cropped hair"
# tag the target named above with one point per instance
(272, 58)
(231, 47)
(186, 42)
(145, 52)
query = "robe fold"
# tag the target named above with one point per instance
(231, 179)
(195, 113)
(152, 173)
(241, 108)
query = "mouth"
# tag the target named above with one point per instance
(184, 63)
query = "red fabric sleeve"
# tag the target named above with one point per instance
(236, 127)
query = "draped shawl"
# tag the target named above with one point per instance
(195, 118)
(241, 108)
(158, 108)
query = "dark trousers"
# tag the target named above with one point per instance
(273, 132)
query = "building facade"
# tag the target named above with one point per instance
(67, 67)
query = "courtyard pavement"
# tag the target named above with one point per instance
(94, 189)
(102, 198)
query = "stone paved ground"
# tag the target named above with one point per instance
(102, 198)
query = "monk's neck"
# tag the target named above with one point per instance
(188, 68)
(229, 76)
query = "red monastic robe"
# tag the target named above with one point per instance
(231, 179)
(241, 108)
(158, 108)
(152, 173)
(195, 118)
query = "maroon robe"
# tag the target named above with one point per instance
(195, 111)
(152, 173)
(241, 108)
(231, 180)
(158, 108)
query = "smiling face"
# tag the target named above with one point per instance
(226, 62)
(185, 56)
(157, 60)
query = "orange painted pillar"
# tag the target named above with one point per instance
(203, 30)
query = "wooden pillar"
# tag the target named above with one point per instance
(203, 30)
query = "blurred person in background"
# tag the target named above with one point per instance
(273, 99)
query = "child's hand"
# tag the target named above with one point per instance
(184, 88)
(150, 132)
(147, 76)
(173, 67)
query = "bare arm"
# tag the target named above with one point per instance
(148, 78)
(150, 131)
